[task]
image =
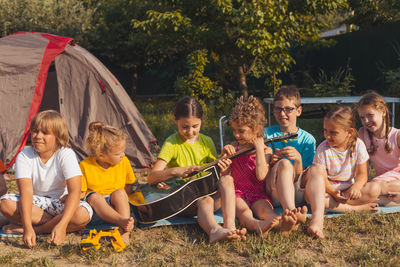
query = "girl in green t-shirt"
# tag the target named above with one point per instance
(183, 153)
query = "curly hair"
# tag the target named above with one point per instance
(344, 116)
(250, 112)
(102, 138)
(376, 101)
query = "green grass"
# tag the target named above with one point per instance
(362, 239)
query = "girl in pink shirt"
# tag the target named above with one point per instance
(383, 145)
(249, 171)
(342, 160)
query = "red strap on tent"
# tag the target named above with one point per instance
(55, 46)
(2, 167)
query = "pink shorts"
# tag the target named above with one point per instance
(393, 175)
(250, 198)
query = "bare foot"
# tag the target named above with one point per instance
(301, 214)
(125, 229)
(315, 228)
(273, 224)
(220, 233)
(288, 222)
(394, 196)
(373, 207)
(13, 228)
(241, 233)
(126, 225)
(125, 237)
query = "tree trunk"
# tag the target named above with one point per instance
(134, 82)
(242, 82)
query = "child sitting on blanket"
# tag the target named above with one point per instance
(250, 171)
(290, 182)
(183, 153)
(342, 160)
(108, 177)
(49, 182)
(383, 145)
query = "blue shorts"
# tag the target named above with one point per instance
(95, 218)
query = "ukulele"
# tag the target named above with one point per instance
(153, 203)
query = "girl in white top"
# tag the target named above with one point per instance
(342, 160)
(49, 182)
(383, 145)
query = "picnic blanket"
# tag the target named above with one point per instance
(180, 220)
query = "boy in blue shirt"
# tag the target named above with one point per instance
(290, 182)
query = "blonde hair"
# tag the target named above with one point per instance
(344, 116)
(290, 92)
(102, 138)
(249, 112)
(376, 101)
(51, 121)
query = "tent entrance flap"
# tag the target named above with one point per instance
(50, 98)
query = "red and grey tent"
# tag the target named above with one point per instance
(40, 71)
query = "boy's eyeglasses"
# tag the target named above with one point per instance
(287, 110)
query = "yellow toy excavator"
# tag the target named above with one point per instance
(100, 240)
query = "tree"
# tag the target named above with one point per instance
(243, 38)
(72, 18)
(368, 13)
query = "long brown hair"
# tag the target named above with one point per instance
(376, 101)
(344, 116)
(188, 106)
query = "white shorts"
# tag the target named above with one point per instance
(298, 191)
(52, 206)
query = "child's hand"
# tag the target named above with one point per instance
(291, 153)
(29, 237)
(185, 171)
(258, 143)
(228, 150)
(276, 156)
(224, 165)
(353, 192)
(58, 234)
(337, 195)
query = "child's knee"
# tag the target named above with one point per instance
(7, 206)
(373, 190)
(81, 216)
(94, 198)
(119, 194)
(317, 170)
(205, 201)
(285, 167)
(285, 164)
